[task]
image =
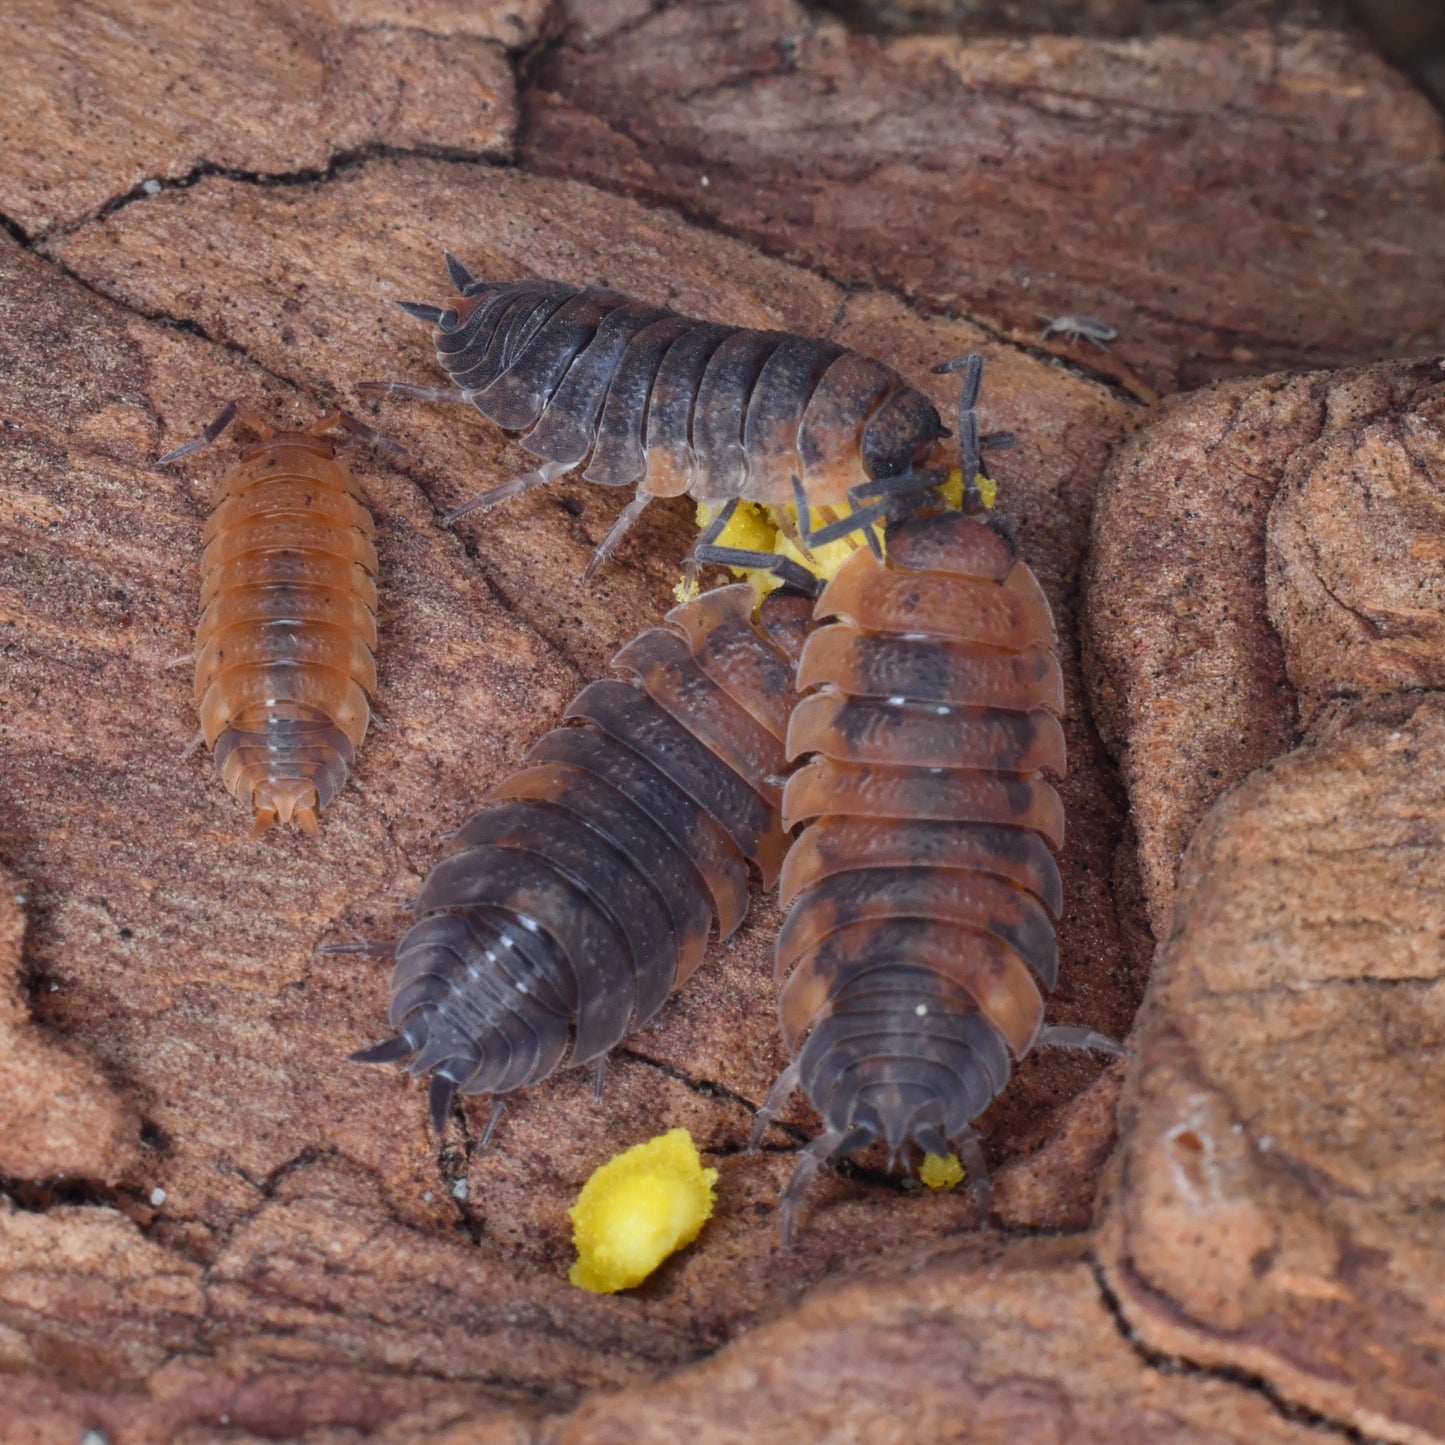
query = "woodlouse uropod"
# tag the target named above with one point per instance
(921, 889)
(639, 396)
(283, 661)
(583, 891)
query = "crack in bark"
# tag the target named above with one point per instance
(1168, 1364)
(339, 164)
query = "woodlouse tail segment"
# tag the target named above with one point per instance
(570, 906)
(289, 767)
(461, 277)
(388, 1051)
(444, 317)
(287, 801)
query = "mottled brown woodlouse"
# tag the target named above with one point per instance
(920, 891)
(283, 662)
(583, 891)
(639, 396)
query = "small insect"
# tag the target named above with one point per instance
(922, 888)
(582, 893)
(284, 665)
(1078, 328)
(638, 396)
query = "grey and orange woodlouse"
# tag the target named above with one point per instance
(583, 891)
(922, 886)
(639, 396)
(284, 664)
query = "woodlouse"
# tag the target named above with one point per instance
(283, 663)
(921, 888)
(583, 891)
(1078, 328)
(639, 396)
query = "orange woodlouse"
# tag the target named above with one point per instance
(283, 662)
(639, 396)
(583, 891)
(922, 886)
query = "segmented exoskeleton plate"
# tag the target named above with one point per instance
(637, 396)
(284, 665)
(919, 935)
(582, 892)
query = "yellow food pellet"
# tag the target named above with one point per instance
(641, 1206)
(939, 1173)
(952, 490)
(751, 529)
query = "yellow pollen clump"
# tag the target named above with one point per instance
(641, 1206)
(939, 1173)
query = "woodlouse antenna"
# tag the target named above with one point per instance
(233, 411)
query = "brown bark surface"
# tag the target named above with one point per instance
(1282, 1143)
(216, 1228)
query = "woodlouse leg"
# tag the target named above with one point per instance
(499, 1107)
(783, 1086)
(823, 1148)
(620, 528)
(789, 528)
(997, 441)
(1062, 1036)
(373, 948)
(547, 472)
(195, 742)
(859, 521)
(416, 393)
(706, 537)
(975, 1171)
(186, 659)
(599, 1078)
